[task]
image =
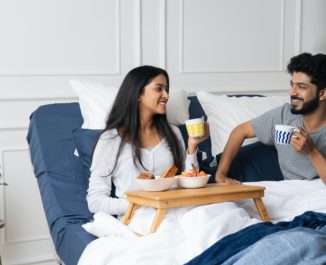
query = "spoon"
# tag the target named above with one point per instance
(194, 168)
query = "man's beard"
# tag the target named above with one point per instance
(307, 107)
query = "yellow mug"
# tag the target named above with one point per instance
(195, 127)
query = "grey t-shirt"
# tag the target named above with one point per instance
(293, 164)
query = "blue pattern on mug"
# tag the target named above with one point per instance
(282, 137)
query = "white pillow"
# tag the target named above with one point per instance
(177, 108)
(224, 113)
(96, 101)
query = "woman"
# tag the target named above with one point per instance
(137, 138)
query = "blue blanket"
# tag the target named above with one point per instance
(230, 245)
(285, 247)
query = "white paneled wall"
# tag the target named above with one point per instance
(224, 46)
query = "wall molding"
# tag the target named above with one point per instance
(138, 29)
(163, 33)
(3, 151)
(298, 27)
(33, 261)
(28, 239)
(29, 98)
(241, 90)
(23, 125)
(183, 70)
(19, 126)
(116, 72)
(64, 73)
(118, 39)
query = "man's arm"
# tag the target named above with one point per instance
(302, 143)
(232, 147)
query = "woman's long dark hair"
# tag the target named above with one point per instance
(124, 115)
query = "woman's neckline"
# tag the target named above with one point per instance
(149, 148)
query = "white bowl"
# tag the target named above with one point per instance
(192, 182)
(157, 184)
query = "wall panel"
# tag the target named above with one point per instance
(66, 38)
(231, 45)
(313, 21)
(214, 42)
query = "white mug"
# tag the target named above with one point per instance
(283, 133)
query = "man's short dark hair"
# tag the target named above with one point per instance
(312, 65)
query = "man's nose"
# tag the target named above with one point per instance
(293, 90)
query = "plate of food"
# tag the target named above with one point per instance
(148, 182)
(192, 179)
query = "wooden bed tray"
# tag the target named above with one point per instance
(211, 193)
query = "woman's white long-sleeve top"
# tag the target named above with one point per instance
(156, 160)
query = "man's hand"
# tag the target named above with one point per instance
(302, 142)
(220, 178)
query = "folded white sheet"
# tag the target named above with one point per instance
(106, 225)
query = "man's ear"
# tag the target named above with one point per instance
(322, 94)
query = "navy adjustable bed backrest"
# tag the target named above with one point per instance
(61, 177)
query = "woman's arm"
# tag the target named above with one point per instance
(99, 196)
(100, 182)
(191, 153)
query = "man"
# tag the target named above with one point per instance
(305, 156)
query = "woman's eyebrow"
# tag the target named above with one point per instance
(160, 84)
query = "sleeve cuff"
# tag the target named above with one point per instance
(191, 159)
(123, 206)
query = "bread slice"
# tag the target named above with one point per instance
(146, 175)
(170, 172)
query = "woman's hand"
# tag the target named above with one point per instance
(221, 178)
(193, 142)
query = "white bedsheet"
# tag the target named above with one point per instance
(187, 231)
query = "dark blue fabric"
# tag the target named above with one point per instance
(61, 176)
(66, 210)
(196, 111)
(270, 249)
(256, 162)
(53, 124)
(234, 243)
(85, 140)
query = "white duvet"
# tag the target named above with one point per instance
(187, 231)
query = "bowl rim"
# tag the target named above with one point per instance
(156, 179)
(195, 177)
(161, 184)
